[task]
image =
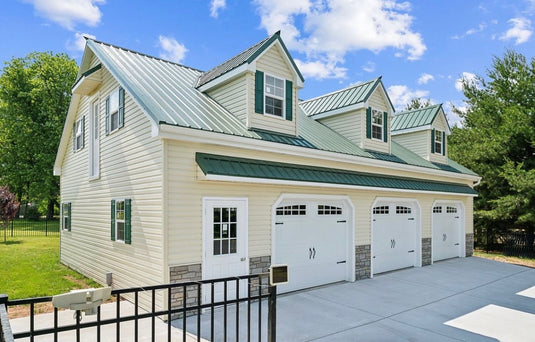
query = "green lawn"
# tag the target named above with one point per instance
(498, 256)
(31, 268)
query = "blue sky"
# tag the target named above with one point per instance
(421, 48)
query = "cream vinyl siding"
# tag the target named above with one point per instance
(273, 63)
(131, 164)
(417, 142)
(232, 96)
(186, 186)
(350, 125)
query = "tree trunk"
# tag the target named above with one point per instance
(50, 209)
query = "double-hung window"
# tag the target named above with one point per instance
(115, 110)
(66, 216)
(274, 96)
(121, 220)
(377, 124)
(439, 144)
(78, 134)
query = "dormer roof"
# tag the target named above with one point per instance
(247, 57)
(343, 100)
(417, 120)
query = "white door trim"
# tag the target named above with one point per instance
(418, 226)
(462, 253)
(206, 225)
(350, 274)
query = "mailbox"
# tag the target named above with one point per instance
(278, 274)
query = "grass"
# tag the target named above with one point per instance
(498, 256)
(31, 268)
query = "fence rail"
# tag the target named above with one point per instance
(518, 243)
(194, 315)
(26, 228)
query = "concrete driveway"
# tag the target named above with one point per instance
(465, 299)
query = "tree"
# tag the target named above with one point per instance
(8, 208)
(497, 140)
(34, 99)
(417, 103)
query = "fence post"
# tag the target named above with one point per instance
(5, 328)
(272, 313)
(46, 226)
(12, 228)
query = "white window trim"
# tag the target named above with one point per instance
(283, 98)
(117, 200)
(64, 215)
(437, 135)
(381, 126)
(115, 112)
(95, 102)
(78, 131)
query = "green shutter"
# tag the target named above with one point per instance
(443, 143)
(289, 100)
(385, 127)
(107, 115)
(83, 131)
(433, 140)
(369, 122)
(69, 216)
(121, 107)
(113, 220)
(259, 92)
(74, 137)
(127, 221)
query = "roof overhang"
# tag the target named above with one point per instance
(226, 168)
(411, 130)
(89, 81)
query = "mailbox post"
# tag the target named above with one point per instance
(278, 274)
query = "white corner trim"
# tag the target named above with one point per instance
(253, 180)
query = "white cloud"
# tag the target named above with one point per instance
(424, 78)
(453, 118)
(68, 13)
(332, 28)
(519, 32)
(78, 43)
(320, 70)
(467, 77)
(369, 66)
(400, 95)
(216, 6)
(171, 49)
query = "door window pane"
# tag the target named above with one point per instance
(225, 230)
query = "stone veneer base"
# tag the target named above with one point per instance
(363, 262)
(426, 251)
(469, 244)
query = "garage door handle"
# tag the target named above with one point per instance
(341, 262)
(314, 250)
(457, 244)
(343, 221)
(279, 223)
(310, 253)
(411, 251)
(411, 218)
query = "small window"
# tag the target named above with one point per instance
(292, 210)
(377, 124)
(115, 110)
(381, 210)
(438, 142)
(66, 216)
(78, 134)
(437, 210)
(274, 96)
(225, 225)
(403, 210)
(329, 210)
(121, 220)
(451, 210)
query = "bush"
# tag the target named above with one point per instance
(32, 213)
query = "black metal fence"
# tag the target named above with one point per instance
(518, 243)
(26, 228)
(238, 316)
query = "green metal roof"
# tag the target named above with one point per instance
(211, 164)
(166, 92)
(358, 93)
(415, 118)
(246, 56)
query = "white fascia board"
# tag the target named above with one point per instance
(411, 130)
(225, 77)
(67, 127)
(338, 111)
(221, 178)
(227, 140)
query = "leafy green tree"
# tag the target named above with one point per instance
(35, 93)
(497, 140)
(8, 208)
(417, 103)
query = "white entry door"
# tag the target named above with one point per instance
(394, 237)
(447, 231)
(225, 245)
(311, 237)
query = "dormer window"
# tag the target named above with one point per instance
(377, 124)
(439, 144)
(274, 96)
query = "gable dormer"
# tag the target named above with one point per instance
(259, 86)
(361, 113)
(423, 131)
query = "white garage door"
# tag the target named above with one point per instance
(447, 231)
(394, 236)
(311, 237)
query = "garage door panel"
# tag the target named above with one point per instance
(447, 232)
